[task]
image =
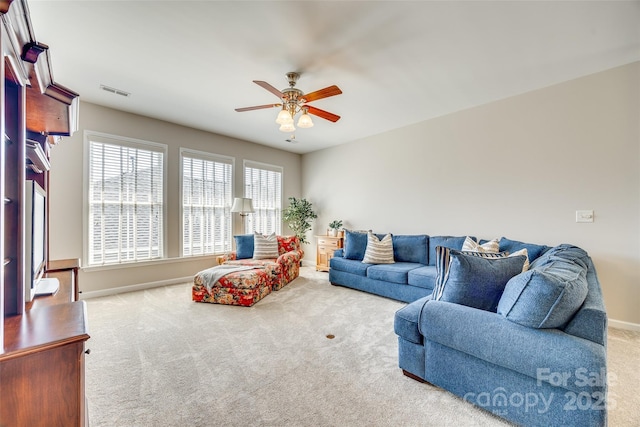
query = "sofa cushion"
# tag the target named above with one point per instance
(355, 244)
(511, 246)
(476, 281)
(450, 242)
(547, 296)
(379, 251)
(352, 266)
(394, 273)
(265, 247)
(411, 248)
(244, 246)
(422, 277)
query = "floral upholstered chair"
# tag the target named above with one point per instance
(285, 267)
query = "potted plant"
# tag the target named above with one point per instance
(298, 216)
(334, 226)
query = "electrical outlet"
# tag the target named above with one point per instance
(584, 216)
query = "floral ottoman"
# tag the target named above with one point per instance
(245, 287)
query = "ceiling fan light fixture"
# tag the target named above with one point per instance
(284, 117)
(305, 120)
(287, 127)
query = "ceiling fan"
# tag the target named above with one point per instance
(295, 101)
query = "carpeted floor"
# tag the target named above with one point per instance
(159, 359)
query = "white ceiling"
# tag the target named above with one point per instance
(397, 63)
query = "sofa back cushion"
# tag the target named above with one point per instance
(511, 246)
(244, 246)
(411, 248)
(288, 244)
(548, 295)
(451, 242)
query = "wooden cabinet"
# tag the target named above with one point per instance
(42, 342)
(42, 367)
(326, 245)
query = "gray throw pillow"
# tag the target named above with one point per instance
(476, 281)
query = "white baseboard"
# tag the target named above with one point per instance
(619, 324)
(131, 288)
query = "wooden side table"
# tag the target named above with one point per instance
(324, 250)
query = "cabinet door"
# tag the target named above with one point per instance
(45, 388)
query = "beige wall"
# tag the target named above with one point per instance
(66, 186)
(519, 167)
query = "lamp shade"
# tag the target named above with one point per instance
(305, 121)
(284, 117)
(242, 204)
(287, 127)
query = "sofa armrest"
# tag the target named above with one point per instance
(339, 253)
(289, 258)
(229, 256)
(537, 353)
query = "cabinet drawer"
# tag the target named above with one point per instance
(328, 243)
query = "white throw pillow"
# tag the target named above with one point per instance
(378, 251)
(265, 247)
(524, 252)
(470, 245)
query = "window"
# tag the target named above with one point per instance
(125, 199)
(206, 203)
(263, 184)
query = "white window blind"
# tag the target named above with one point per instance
(125, 200)
(206, 203)
(263, 184)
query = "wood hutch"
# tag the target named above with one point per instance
(42, 342)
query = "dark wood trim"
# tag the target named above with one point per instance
(414, 377)
(32, 50)
(5, 5)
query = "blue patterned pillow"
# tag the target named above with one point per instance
(475, 279)
(244, 246)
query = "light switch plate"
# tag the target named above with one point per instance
(584, 216)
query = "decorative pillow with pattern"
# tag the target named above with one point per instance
(492, 246)
(265, 246)
(379, 251)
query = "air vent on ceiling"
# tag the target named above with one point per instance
(114, 90)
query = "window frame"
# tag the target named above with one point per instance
(268, 167)
(202, 155)
(122, 141)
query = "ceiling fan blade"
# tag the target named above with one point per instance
(258, 107)
(321, 113)
(268, 87)
(323, 93)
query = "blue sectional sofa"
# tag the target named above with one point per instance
(537, 358)
(410, 277)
